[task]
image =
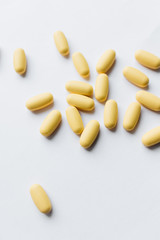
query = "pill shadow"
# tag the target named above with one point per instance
(50, 214)
(67, 56)
(26, 72)
(154, 147)
(113, 129)
(113, 65)
(93, 145)
(43, 110)
(55, 132)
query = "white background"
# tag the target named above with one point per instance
(111, 191)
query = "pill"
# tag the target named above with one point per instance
(152, 137)
(81, 64)
(61, 43)
(40, 198)
(50, 123)
(19, 61)
(136, 77)
(81, 102)
(106, 61)
(89, 133)
(74, 120)
(147, 59)
(39, 101)
(148, 100)
(79, 88)
(101, 87)
(110, 114)
(132, 116)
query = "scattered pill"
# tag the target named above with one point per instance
(147, 59)
(61, 43)
(106, 61)
(81, 102)
(74, 120)
(101, 87)
(148, 100)
(132, 116)
(110, 114)
(152, 137)
(19, 61)
(81, 64)
(39, 101)
(79, 88)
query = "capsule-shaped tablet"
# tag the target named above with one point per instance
(147, 59)
(19, 61)
(106, 61)
(110, 114)
(40, 198)
(102, 87)
(81, 64)
(61, 43)
(74, 120)
(136, 77)
(89, 134)
(152, 137)
(50, 123)
(148, 100)
(39, 101)
(132, 116)
(81, 102)
(79, 87)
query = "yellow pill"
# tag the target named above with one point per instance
(74, 119)
(89, 134)
(79, 88)
(147, 59)
(80, 64)
(50, 123)
(148, 100)
(110, 114)
(106, 61)
(102, 87)
(132, 116)
(61, 43)
(152, 137)
(81, 102)
(40, 198)
(39, 101)
(19, 61)
(136, 77)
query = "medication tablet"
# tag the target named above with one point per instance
(40, 101)
(79, 88)
(89, 134)
(40, 198)
(19, 61)
(147, 59)
(81, 102)
(106, 61)
(132, 116)
(81, 64)
(148, 100)
(136, 77)
(74, 119)
(50, 123)
(61, 43)
(102, 87)
(110, 114)
(152, 137)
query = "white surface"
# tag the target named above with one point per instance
(113, 190)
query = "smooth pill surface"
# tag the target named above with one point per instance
(102, 87)
(148, 100)
(40, 198)
(81, 102)
(110, 114)
(106, 61)
(50, 123)
(39, 101)
(147, 59)
(19, 61)
(61, 43)
(136, 77)
(89, 134)
(132, 116)
(81, 64)
(152, 137)
(79, 88)
(74, 120)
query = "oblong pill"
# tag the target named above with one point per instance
(61, 43)
(110, 114)
(79, 88)
(19, 61)
(50, 123)
(101, 87)
(39, 101)
(81, 102)
(74, 120)
(148, 100)
(81, 64)
(106, 61)
(132, 116)
(89, 134)
(136, 77)
(147, 59)
(40, 198)
(152, 137)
